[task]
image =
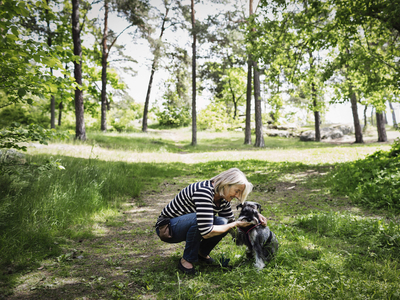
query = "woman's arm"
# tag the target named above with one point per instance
(220, 229)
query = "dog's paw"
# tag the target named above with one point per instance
(259, 265)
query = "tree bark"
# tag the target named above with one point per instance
(380, 124)
(60, 108)
(194, 124)
(247, 130)
(103, 125)
(153, 70)
(80, 131)
(52, 98)
(356, 120)
(317, 116)
(53, 112)
(393, 115)
(372, 116)
(365, 118)
(257, 108)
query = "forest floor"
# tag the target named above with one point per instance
(106, 265)
(123, 255)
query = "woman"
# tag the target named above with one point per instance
(192, 215)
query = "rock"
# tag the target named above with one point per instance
(11, 155)
(307, 136)
(328, 133)
(285, 134)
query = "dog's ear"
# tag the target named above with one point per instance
(259, 207)
(239, 206)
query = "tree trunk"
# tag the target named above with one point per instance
(146, 103)
(80, 131)
(153, 70)
(194, 124)
(356, 120)
(393, 115)
(372, 116)
(257, 108)
(365, 119)
(104, 58)
(317, 116)
(247, 130)
(380, 124)
(52, 98)
(60, 108)
(53, 112)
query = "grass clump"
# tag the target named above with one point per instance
(372, 234)
(372, 182)
(41, 204)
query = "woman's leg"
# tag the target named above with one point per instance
(184, 228)
(206, 245)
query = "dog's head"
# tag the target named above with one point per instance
(249, 212)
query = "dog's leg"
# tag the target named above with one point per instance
(257, 250)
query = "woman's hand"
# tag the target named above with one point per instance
(243, 224)
(262, 219)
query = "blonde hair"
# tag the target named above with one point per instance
(230, 178)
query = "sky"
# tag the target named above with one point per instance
(137, 85)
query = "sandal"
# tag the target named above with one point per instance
(187, 271)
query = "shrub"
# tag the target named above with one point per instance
(374, 181)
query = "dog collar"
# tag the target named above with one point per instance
(247, 232)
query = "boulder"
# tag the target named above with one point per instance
(328, 133)
(307, 136)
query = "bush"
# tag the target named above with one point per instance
(374, 181)
(215, 117)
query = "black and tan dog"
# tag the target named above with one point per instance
(261, 242)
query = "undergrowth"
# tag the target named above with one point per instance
(372, 182)
(40, 204)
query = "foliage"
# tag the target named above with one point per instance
(23, 58)
(215, 117)
(374, 181)
(172, 115)
(15, 134)
(125, 113)
(175, 109)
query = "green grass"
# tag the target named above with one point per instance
(102, 208)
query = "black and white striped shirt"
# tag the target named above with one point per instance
(198, 198)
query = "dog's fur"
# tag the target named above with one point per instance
(259, 243)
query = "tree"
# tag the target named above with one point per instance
(156, 45)
(135, 12)
(393, 115)
(194, 111)
(257, 100)
(24, 70)
(80, 131)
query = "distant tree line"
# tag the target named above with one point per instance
(283, 53)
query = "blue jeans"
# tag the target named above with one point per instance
(184, 228)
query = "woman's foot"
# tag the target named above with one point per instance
(207, 259)
(186, 267)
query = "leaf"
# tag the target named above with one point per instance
(21, 92)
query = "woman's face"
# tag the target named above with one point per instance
(235, 191)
